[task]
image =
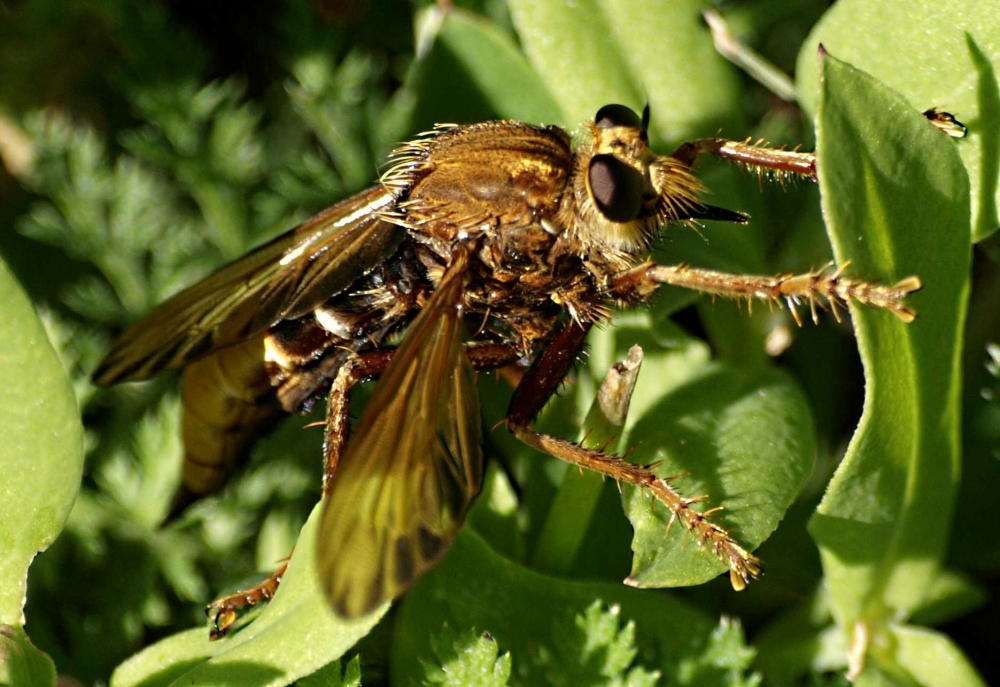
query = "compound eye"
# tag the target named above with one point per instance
(615, 187)
(617, 115)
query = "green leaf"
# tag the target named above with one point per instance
(933, 659)
(524, 610)
(591, 648)
(594, 52)
(802, 640)
(917, 657)
(21, 664)
(936, 53)
(496, 80)
(120, 216)
(168, 660)
(805, 639)
(330, 675)
(895, 198)
(744, 438)
(723, 659)
(270, 650)
(671, 357)
(950, 596)
(41, 458)
(466, 660)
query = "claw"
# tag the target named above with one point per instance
(225, 612)
(223, 620)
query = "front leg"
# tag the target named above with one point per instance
(756, 157)
(537, 387)
(821, 288)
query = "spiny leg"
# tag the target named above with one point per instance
(822, 288)
(540, 383)
(780, 164)
(754, 156)
(356, 369)
(371, 365)
(817, 287)
(226, 611)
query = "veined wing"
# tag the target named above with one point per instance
(412, 468)
(284, 278)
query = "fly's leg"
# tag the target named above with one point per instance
(226, 611)
(371, 365)
(781, 164)
(784, 164)
(540, 383)
(356, 368)
(821, 289)
(338, 419)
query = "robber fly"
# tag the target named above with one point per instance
(487, 244)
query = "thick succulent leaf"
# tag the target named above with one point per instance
(936, 53)
(294, 636)
(929, 659)
(594, 52)
(895, 199)
(41, 444)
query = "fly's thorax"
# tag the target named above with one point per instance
(462, 183)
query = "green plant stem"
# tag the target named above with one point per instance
(573, 508)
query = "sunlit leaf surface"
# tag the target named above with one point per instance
(41, 444)
(895, 197)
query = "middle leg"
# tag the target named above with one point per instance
(355, 368)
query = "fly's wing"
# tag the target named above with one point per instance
(412, 468)
(283, 279)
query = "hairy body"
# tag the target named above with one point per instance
(488, 245)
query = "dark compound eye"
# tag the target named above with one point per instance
(617, 115)
(615, 187)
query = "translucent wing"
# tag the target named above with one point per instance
(412, 468)
(285, 278)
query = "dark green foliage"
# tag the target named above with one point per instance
(466, 659)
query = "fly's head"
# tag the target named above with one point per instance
(621, 192)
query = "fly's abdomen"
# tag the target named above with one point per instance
(228, 403)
